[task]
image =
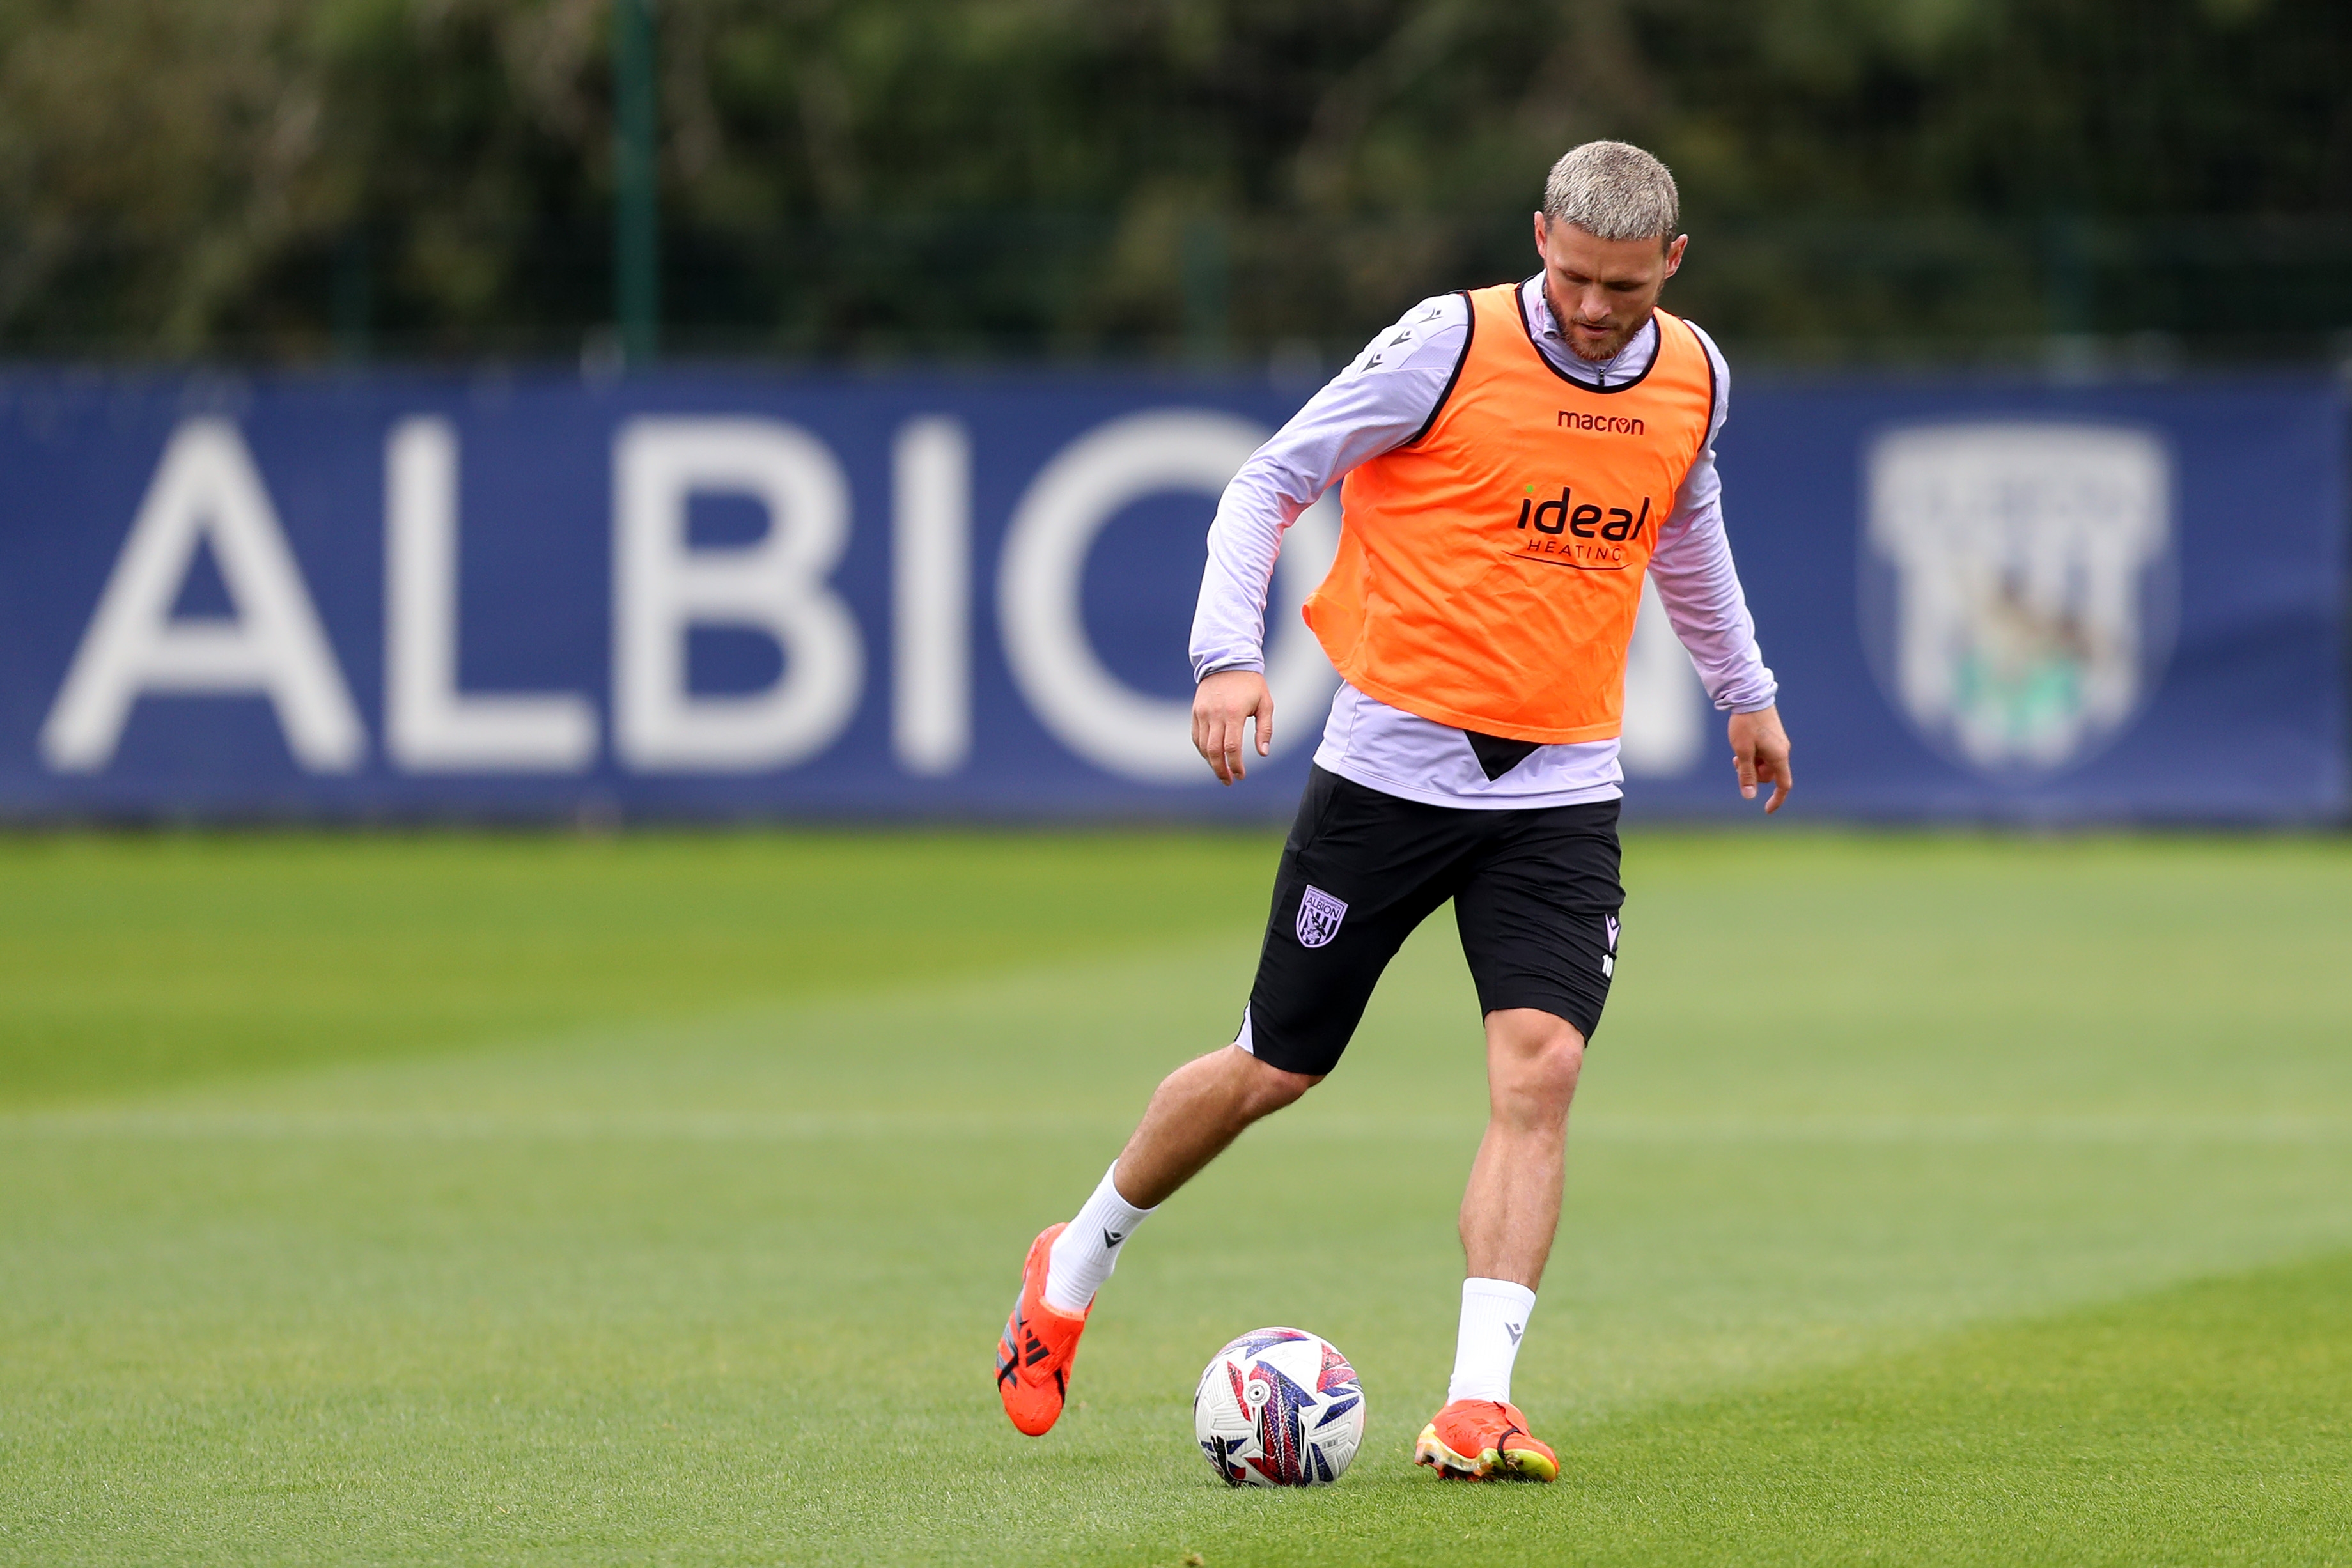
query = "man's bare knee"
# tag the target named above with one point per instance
(1262, 1090)
(1533, 1059)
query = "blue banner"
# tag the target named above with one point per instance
(709, 594)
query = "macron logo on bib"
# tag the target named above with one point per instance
(1320, 915)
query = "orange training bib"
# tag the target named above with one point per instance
(1489, 571)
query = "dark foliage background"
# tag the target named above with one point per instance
(1211, 179)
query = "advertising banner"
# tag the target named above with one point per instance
(711, 595)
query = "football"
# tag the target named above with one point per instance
(1279, 1407)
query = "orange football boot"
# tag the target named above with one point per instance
(1477, 1439)
(1033, 1360)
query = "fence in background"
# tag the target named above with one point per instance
(1210, 290)
(723, 595)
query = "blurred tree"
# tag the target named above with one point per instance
(1082, 177)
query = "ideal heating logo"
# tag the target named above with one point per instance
(1582, 534)
(1618, 525)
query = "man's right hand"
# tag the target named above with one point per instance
(1225, 701)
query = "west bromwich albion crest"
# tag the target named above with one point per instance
(1320, 915)
(2018, 585)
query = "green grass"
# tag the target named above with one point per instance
(128, 962)
(443, 1198)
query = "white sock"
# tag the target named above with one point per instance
(1495, 1313)
(1088, 1250)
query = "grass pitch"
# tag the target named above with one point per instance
(489, 1199)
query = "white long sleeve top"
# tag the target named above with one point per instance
(1381, 401)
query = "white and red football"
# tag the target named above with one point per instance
(1279, 1407)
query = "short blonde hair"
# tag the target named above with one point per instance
(1613, 190)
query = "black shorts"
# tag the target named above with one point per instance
(1535, 893)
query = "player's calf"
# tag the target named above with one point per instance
(1197, 1111)
(1195, 1114)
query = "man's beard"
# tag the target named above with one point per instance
(1610, 350)
(1568, 332)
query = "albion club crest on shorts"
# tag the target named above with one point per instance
(1320, 915)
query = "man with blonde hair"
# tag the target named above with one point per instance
(1516, 460)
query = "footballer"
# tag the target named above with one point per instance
(1516, 460)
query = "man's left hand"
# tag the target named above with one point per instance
(1759, 751)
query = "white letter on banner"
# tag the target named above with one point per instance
(1108, 723)
(662, 586)
(206, 490)
(930, 554)
(428, 725)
